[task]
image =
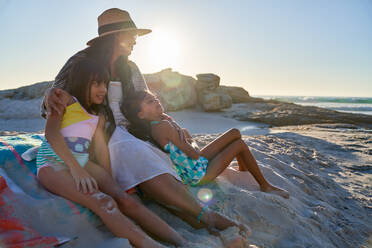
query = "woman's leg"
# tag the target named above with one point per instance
(166, 190)
(133, 208)
(61, 183)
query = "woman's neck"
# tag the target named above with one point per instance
(114, 76)
(113, 65)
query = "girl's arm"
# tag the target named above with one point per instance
(57, 142)
(165, 132)
(180, 131)
(101, 151)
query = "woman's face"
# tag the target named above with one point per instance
(124, 44)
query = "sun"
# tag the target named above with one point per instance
(164, 49)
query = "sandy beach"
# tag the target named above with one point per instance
(325, 167)
(294, 77)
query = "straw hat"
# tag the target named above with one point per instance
(114, 21)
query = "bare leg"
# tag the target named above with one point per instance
(220, 162)
(61, 183)
(248, 163)
(245, 159)
(169, 192)
(218, 144)
(133, 208)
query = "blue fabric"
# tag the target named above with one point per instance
(78, 146)
(190, 170)
(23, 174)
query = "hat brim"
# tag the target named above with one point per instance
(139, 32)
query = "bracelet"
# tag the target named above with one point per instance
(202, 212)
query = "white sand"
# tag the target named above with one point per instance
(326, 168)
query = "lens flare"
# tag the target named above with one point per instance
(205, 195)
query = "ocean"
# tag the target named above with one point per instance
(358, 105)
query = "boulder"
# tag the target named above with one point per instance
(285, 114)
(238, 94)
(26, 92)
(175, 91)
(207, 81)
(214, 101)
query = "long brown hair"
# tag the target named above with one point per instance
(82, 75)
(102, 51)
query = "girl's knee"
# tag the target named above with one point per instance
(234, 132)
(240, 144)
(104, 203)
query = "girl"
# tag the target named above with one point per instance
(194, 166)
(64, 169)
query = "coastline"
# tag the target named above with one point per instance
(322, 157)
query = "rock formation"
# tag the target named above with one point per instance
(209, 96)
(176, 91)
(284, 114)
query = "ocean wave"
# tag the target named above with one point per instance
(359, 109)
(356, 100)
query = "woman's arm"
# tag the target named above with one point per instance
(101, 152)
(165, 132)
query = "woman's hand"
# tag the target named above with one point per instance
(84, 182)
(56, 101)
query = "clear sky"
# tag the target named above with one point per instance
(270, 47)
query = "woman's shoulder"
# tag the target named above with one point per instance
(132, 64)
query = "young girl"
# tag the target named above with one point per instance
(194, 166)
(64, 169)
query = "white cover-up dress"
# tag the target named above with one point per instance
(133, 161)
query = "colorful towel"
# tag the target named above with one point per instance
(28, 213)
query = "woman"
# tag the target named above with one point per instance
(113, 194)
(149, 167)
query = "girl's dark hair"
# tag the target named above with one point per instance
(130, 108)
(83, 73)
(102, 50)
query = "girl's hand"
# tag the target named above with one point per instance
(83, 180)
(180, 131)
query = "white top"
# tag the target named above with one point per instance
(133, 161)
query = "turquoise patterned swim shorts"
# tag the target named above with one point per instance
(190, 170)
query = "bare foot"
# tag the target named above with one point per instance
(237, 242)
(275, 190)
(232, 239)
(215, 220)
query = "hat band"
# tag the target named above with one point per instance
(115, 26)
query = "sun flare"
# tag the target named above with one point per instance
(164, 49)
